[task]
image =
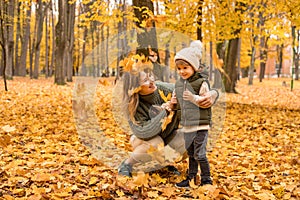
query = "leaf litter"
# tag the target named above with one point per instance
(43, 156)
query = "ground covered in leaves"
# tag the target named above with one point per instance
(256, 156)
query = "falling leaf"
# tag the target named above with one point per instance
(157, 152)
(104, 82)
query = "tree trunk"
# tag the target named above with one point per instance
(221, 47)
(230, 66)
(46, 42)
(39, 35)
(25, 42)
(106, 50)
(53, 39)
(103, 55)
(147, 37)
(251, 69)
(83, 67)
(210, 60)
(60, 33)
(10, 40)
(17, 58)
(295, 52)
(31, 47)
(92, 29)
(167, 63)
(3, 13)
(263, 45)
(297, 59)
(239, 59)
(70, 38)
(120, 49)
(263, 58)
(280, 59)
(98, 52)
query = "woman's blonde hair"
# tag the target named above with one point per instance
(130, 99)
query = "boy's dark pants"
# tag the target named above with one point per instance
(195, 143)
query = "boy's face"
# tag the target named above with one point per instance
(185, 71)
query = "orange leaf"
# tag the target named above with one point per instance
(141, 179)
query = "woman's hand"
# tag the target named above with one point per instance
(167, 106)
(207, 99)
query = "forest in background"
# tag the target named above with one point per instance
(54, 37)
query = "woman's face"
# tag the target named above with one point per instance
(147, 83)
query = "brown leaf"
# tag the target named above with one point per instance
(42, 177)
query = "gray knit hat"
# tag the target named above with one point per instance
(191, 54)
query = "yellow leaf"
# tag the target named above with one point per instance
(167, 120)
(264, 195)
(165, 98)
(141, 179)
(192, 184)
(157, 153)
(62, 194)
(278, 192)
(104, 82)
(8, 128)
(134, 90)
(18, 191)
(93, 180)
(74, 188)
(168, 191)
(127, 64)
(41, 177)
(8, 197)
(4, 140)
(159, 179)
(120, 193)
(153, 194)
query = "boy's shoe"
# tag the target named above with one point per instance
(185, 183)
(206, 182)
(125, 169)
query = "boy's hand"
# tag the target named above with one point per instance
(188, 96)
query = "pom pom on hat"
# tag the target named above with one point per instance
(191, 54)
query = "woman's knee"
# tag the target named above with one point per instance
(155, 142)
